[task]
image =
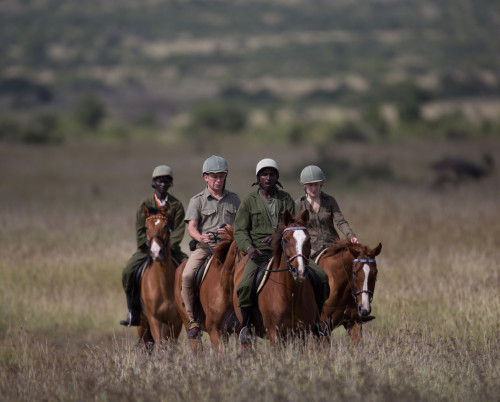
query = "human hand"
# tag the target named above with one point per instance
(354, 240)
(222, 228)
(206, 238)
(253, 252)
(268, 240)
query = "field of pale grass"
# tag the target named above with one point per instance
(67, 218)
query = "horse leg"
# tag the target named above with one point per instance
(355, 332)
(155, 328)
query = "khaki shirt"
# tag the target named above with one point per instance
(209, 212)
(321, 225)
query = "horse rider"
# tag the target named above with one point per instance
(207, 214)
(162, 180)
(324, 212)
(256, 221)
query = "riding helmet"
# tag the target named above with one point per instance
(311, 174)
(266, 163)
(162, 170)
(215, 164)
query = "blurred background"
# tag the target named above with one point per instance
(287, 71)
(398, 101)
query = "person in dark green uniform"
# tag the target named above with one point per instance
(256, 220)
(162, 180)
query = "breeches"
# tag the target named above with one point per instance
(197, 258)
(128, 272)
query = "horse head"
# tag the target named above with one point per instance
(364, 275)
(157, 231)
(293, 240)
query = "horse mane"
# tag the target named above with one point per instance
(226, 240)
(276, 243)
(343, 245)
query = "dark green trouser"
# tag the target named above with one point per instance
(128, 272)
(244, 289)
(323, 291)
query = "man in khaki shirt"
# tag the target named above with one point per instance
(207, 213)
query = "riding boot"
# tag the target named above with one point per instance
(245, 337)
(134, 312)
(193, 329)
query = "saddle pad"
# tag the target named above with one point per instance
(320, 255)
(264, 278)
(207, 265)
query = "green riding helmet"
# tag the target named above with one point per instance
(215, 164)
(311, 174)
(162, 170)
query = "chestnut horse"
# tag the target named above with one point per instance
(352, 272)
(159, 314)
(214, 311)
(286, 301)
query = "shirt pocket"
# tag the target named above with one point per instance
(257, 219)
(230, 214)
(208, 217)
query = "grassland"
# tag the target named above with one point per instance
(66, 216)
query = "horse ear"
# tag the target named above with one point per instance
(304, 217)
(378, 249)
(145, 211)
(287, 217)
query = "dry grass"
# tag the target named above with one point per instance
(67, 220)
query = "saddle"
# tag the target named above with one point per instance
(263, 272)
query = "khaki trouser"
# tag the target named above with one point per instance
(196, 259)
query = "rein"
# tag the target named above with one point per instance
(353, 291)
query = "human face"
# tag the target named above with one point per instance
(268, 177)
(162, 184)
(313, 189)
(215, 181)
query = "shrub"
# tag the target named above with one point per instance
(90, 112)
(41, 129)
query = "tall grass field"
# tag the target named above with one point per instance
(67, 230)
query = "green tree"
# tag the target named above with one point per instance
(90, 112)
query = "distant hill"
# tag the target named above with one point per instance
(346, 51)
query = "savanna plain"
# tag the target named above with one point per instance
(67, 229)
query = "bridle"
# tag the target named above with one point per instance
(355, 293)
(164, 244)
(288, 260)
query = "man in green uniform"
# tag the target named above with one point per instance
(256, 221)
(207, 213)
(162, 180)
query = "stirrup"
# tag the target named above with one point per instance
(322, 329)
(245, 336)
(193, 329)
(130, 321)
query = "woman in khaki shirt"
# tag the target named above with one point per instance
(323, 210)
